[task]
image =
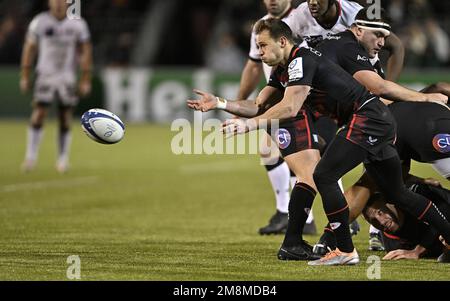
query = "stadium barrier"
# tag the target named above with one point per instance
(155, 94)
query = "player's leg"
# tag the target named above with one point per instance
(340, 157)
(303, 164)
(279, 174)
(34, 135)
(64, 137)
(298, 143)
(388, 176)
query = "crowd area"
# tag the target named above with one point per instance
(213, 33)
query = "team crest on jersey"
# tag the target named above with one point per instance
(295, 69)
(283, 138)
(441, 143)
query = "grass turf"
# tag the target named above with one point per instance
(135, 211)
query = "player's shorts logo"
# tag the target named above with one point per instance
(441, 143)
(283, 138)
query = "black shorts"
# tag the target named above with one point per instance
(423, 131)
(373, 128)
(326, 128)
(296, 134)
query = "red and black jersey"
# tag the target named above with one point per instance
(334, 92)
(345, 50)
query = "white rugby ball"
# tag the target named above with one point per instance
(102, 126)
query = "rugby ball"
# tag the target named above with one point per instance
(102, 126)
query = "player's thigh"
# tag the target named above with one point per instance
(268, 149)
(39, 111)
(303, 164)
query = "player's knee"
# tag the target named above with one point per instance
(322, 177)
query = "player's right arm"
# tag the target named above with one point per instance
(392, 91)
(355, 61)
(250, 77)
(242, 108)
(26, 64)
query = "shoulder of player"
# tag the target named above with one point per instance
(39, 18)
(301, 10)
(349, 9)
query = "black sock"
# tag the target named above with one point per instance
(328, 237)
(302, 197)
(339, 225)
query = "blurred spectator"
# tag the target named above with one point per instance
(423, 25)
(438, 42)
(226, 56)
(10, 40)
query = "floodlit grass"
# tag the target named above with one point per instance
(135, 211)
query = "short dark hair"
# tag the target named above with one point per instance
(275, 27)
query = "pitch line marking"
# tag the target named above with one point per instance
(49, 184)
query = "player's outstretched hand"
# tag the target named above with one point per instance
(206, 102)
(401, 254)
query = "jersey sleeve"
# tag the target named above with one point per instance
(254, 52)
(353, 59)
(274, 81)
(301, 71)
(84, 35)
(33, 33)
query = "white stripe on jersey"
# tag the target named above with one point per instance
(305, 26)
(57, 42)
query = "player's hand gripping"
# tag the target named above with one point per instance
(206, 102)
(235, 126)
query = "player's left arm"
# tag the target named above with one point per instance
(288, 107)
(86, 61)
(359, 194)
(415, 253)
(396, 57)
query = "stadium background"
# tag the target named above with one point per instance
(135, 210)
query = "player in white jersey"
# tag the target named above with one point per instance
(315, 20)
(277, 170)
(61, 44)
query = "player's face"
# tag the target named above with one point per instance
(58, 8)
(276, 7)
(372, 41)
(382, 218)
(317, 8)
(271, 51)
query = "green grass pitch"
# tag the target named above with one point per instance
(135, 211)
